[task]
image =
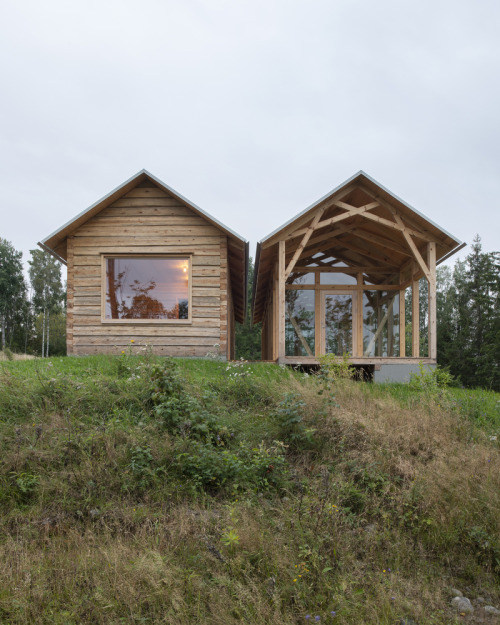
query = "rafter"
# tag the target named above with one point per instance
(304, 241)
(302, 220)
(412, 229)
(351, 211)
(411, 244)
(382, 241)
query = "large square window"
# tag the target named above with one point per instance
(146, 288)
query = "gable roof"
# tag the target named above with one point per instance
(56, 243)
(358, 186)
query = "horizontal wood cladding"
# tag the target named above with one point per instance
(185, 351)
(148, 221)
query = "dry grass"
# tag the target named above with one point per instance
(379, 515)
(3, 356)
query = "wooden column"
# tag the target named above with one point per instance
(415, 313)
(319, 347)
(402, 319)
(358, 350)
(281, 301)
(275, 312)
(432, 321)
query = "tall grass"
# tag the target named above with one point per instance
(137, 492)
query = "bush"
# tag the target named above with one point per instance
(289, 417)
(431, 379)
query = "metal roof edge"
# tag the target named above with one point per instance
(95, 204)
(344, 184)
(161, 183)
(52, 253)
(417, 212)
(195, 206)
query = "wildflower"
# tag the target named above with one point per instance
(295, 580)
(317, 618)
(333, 613)
(123, 351)
(132, 341)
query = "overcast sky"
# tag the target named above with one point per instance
(251, 109)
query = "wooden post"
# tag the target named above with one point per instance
(281, 301)
(358, 349)
(432, 322)
(319, 348)
(415, 313)
(402, 320)
(275, 312)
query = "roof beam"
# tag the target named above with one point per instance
(416, 232)
(411, 244)
(351, 211)
(303, 219)
(304, 241)
(382, 241)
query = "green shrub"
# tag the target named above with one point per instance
(431, 379)
(178, 412)
(289, 417)
(210, 468)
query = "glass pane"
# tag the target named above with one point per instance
(300, 278)
(299, 323)
(147, 288)
(331, 277)
(381, 323)
(338, 324)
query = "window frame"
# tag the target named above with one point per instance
(105, 320)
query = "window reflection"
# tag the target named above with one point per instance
(381, 323)
(299, 323)
(147, 288)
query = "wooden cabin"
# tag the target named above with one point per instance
(335, 278)
(148, 267)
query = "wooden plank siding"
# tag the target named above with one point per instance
(147, 220)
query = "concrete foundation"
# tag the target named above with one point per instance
(398, 373)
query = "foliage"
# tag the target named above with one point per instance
(113, 512)
(13, 303)
(48, 294)
(248, 335)
(430, 378)
(469, 319)
(334, 369)
(290, 418)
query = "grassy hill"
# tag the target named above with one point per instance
(137, 490)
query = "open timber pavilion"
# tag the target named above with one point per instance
(335, 279)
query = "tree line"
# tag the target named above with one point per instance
(468, 319)
(32, 308)
(33, 313)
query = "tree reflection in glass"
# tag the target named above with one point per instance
(338, 324)
(299, 322)
(147, 288)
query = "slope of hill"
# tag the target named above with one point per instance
(135, 490)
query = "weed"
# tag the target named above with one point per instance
(430, 379)
(290, 419)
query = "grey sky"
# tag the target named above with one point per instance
(251, 109)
